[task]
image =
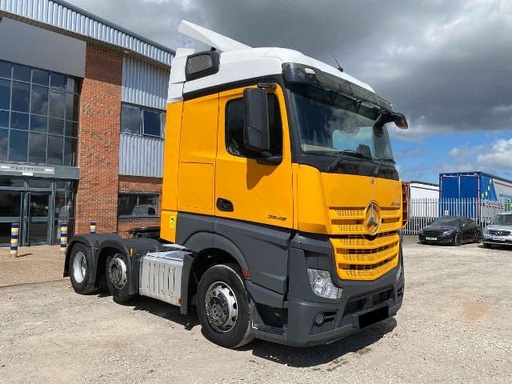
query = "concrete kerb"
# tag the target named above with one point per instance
(35, 264)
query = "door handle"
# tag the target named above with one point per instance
(225, 205)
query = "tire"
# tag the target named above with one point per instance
(486, 245)
(79, 270)
(478, 237)
(118, 278)
(223, 307)
(458, 240)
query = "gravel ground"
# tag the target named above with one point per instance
(455, 326)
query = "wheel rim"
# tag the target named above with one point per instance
(79, 267)
(221, 307)
(118, 272)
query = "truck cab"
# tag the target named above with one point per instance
(281, 188)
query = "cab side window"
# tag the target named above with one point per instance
(235, 125)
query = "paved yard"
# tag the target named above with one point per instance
(455, 326)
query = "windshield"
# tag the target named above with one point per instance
(502, 220)
(447, 221)
(331, 123)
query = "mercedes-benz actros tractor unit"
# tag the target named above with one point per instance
(281, 203)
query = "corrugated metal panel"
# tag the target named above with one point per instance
(61, 15)
(141, 156)
(144, 84)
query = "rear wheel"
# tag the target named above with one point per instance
(80, 274)
(487, 245)
(478, 237)
(117, 278)
(223, 307)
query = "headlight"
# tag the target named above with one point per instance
(322, 285)
(449, 232)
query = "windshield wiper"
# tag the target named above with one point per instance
(342, 155)
(377, 169)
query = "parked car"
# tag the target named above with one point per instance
(499, 230)
(451, 230)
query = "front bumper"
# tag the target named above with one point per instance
(362, 304)
(437, 239)
(342, 322)
(497, 240)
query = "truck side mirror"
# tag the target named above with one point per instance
(256, 125)
(400, 120)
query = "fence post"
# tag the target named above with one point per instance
(92, 227)
(15, 231)
(63, 236)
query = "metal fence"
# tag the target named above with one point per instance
(423, 211)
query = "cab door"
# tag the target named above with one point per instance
(253, 200)
(246, 189)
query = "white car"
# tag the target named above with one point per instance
(499, 231)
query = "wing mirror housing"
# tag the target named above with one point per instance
(400, 120)
(256, 124)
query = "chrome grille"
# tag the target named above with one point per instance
(499, 232)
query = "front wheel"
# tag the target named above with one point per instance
(223, 307)
(458, 239)
(117, 278)
(80, 274)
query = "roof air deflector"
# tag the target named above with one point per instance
(213, 39)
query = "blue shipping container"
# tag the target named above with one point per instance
(466, 186)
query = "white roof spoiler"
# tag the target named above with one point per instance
(213, 39)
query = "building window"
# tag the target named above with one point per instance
(38, 115)
(140, 120)
(235, 125)
(137, 204)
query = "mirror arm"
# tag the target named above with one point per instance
(270, 160)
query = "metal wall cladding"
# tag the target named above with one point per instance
(64, 16)
(141, 156)
(144, 84)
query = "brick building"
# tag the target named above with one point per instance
(82, 112)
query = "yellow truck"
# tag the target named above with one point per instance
(281, 202)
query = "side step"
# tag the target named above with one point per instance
(160, 275)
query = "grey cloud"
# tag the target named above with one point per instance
(445, 64)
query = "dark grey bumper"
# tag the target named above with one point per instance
(362, 304)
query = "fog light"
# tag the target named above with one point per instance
(322, 285)
(319, 319)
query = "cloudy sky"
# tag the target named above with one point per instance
(447, 65)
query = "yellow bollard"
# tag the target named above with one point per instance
(63, 236)
(92, 227)
(15, 231)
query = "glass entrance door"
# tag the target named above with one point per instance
(36, 218)
(10, 210)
